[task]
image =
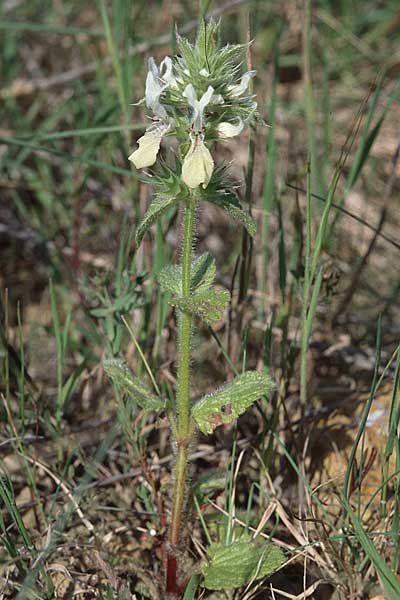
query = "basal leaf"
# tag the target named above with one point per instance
(121, 376)
(239, 563)
(158, 205)
(226, 404)
(208, 304)
(210, 482)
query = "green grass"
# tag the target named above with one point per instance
(74, 288)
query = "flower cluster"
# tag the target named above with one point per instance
(199, 98)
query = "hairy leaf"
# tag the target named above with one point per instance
(221, 191)
(121, 376)
(203, 272)
(208, 304)
(170, 279)
(236, 565)
(232, 205)
(226, 404)
(159, 205)
(210, 482)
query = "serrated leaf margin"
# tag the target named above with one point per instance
(122, 377)
(156, 208)
(230, 401)
(236, 565)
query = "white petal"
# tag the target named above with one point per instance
(205, 99)
(154, 89)
(198, 165)
(198, 105)
(153, 93)
(228, 130)
(153, 67)
(149, 145)
(241, 87)
(204, 73)
(190, 93)
(217, 99)
(167, 76)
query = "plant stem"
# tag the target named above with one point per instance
(183, 436)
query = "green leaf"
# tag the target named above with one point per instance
(203, 272)
(239, 563)
(210, 482)
(206, 38)
(191, 588)
(157, 207)
(221, 192)
(121, 376)
(207, 304)
(226, 404)
(170, 279)
(232, 205)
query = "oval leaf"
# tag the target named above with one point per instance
(221, 192)
(202, 275)
(231, 204)
(207, 304)
(159, 205)
(121, 376)
(203, 272)
(238, 564)
(226, 404)
(170, 279)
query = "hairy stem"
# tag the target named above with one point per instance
(183, 408)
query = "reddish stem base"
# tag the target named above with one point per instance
(173, 587)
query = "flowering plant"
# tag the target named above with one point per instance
(198, 98)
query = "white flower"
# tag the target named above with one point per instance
(149, 145)
(157, 80)
(217, 99)
(167, 75)
(241, 87)
(198, 105)
(154, 89)
(228, 130)
(198, 165)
